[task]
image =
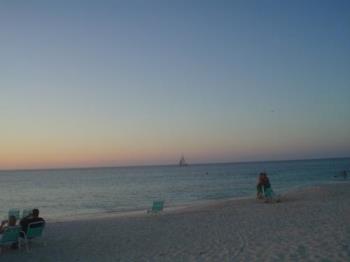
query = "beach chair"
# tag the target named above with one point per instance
(10, 236)
(34, 230)
(26, 212)
(156, 207)
(270, 195)
(14, 212)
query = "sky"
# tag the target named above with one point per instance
(110, 83)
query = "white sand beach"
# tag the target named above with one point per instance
(310, 224)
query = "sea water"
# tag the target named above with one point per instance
(64, 193)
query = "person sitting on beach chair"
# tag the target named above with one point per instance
(33, 217)
(7, 223)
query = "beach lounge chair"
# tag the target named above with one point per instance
(34, 230)
(14, 212)
(156, 207)
(10, 236)
(269, 195)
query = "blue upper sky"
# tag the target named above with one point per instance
(141, 82)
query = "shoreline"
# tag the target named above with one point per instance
(143, 212)
(139, 212)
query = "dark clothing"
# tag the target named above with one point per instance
(259, 188)
(27, 220)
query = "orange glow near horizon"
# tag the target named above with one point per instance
(30, 155)
(45, 148)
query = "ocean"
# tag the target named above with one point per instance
(69, 193)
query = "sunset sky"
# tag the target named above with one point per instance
(95, 83)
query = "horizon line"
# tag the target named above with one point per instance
(167, 165)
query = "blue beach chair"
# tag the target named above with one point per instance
(10, 236)
(156, 207)
(270, 195)
(34, 230)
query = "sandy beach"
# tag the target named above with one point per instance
(309, 224)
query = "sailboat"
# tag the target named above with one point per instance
(182, 161)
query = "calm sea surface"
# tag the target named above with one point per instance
(73, 192)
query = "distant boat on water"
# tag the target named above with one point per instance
(182, 161)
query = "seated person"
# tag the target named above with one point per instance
(7, 223)
(34, 217)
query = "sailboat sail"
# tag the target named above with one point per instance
(182, 161)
